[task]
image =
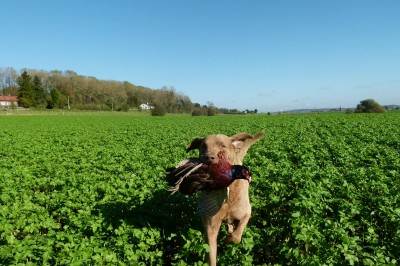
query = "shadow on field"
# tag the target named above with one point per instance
(170, 213)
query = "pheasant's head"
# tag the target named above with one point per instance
(241, 172)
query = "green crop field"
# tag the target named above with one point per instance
(89, 190)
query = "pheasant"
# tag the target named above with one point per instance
(191, 175)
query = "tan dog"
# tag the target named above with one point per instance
(235, 206)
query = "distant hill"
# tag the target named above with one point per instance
(325, 110)
(317, 110)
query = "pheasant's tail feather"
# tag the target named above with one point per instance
(175, 173)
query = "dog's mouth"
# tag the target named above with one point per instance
(208, 162)
(210, 158)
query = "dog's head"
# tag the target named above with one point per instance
(233, 148)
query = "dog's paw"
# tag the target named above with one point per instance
(231, 239)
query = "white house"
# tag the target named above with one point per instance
(8, 101)
(146, 106)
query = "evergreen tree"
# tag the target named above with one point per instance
(38, 91)
(54, 99)
(25, 92)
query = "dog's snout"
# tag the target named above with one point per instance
(210, 158)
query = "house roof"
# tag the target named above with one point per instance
(8, 98)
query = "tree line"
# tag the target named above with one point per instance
(57, 89)
(68, 90)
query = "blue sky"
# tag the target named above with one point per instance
(265, 55)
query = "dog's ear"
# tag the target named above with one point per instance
(243, 142)
(259, 135)
(238, 139)
(195, 144)
(244, 136)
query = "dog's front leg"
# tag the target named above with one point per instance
(236, 229)
(211, 229)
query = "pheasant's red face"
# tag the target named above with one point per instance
(246, 173)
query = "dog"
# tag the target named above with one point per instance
(234, 208)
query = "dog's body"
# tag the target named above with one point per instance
(235, 209)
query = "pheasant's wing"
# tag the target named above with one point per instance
(210, 201)
(188, 177)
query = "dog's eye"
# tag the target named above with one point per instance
(223, 146)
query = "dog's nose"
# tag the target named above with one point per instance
(211, 158)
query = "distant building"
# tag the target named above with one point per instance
(146, 106)
(8, 101)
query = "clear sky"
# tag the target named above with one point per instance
(266, 55)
